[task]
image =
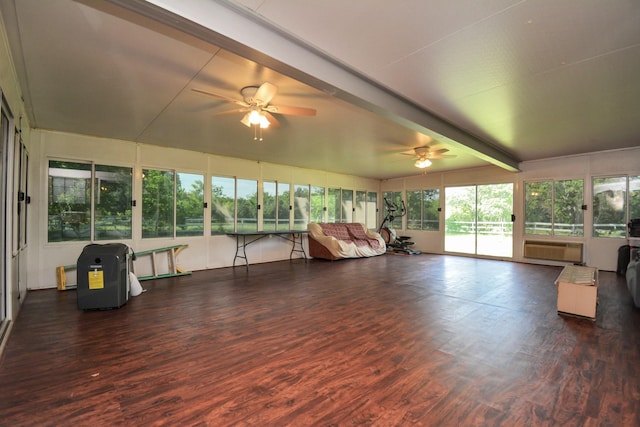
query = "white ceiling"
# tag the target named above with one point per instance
(512, 80)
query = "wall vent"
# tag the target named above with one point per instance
(553, 251)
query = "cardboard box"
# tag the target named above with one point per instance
(578, 291)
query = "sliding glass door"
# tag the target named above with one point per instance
(460, 219)
(478, 220)
(4, 143)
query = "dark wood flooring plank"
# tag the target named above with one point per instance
(415, 340)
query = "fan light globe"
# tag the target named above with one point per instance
(254, 117)
(264, 122)
(422, 163)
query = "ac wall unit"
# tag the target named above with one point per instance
(553, 251)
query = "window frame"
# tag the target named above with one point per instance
(424, 203)
(282, 208)
(170, 221)
(214, 211)
(91, 207)
(555, 230)
(631, 206)
(318, 209)
(187, 229)
(302, 206)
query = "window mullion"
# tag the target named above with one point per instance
(92, 210)
(175, 202)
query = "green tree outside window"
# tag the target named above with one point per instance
(157, 203)
(69, 201)
(189, 204)
(223, 201)
(112, 195)
(317, 204)
(247, 202)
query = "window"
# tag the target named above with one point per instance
(189, 204)
(538, 207)
(360, 213)
(317, 204)
(70, 214)
(634, 197)
(20, 167)
(372, 210)
(333, 205)
(394, 198)
(414, 210)
(301, 206)
(223, 211)
(346, 202)
(284, 206)
(269, 205)
(112, 193)
(247, 203)
(431, 212)
(25, 189)
(234, 205)
(69, 201)
(340, 205)
(554, 208)
(158, 196)
(422, 210)
(616, 200)
(568, 216)
(275, 200)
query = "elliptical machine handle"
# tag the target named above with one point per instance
(403, 209)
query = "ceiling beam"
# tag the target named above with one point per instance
(243, 32)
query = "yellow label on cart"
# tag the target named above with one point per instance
(96, 279)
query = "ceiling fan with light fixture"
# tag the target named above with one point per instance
(256, 105)
(425, 154)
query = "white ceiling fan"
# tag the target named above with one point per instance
(256, 105)
(425, 154)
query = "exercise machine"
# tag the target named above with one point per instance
(395, 243)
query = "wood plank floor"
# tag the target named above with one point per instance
(388, 341)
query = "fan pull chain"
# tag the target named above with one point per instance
(255, 132)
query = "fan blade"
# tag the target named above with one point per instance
(417, 152)
(440, 151)
(436, 154)
(225, 98)
(265, 93)
(441, 156)
(292, 111)
(273, 122)
(425, 151)
(225, 113)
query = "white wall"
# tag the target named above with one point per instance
(217, 251)
(599, 252)
(203, 252)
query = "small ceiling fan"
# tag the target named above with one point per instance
(425, 154)
(256, 105)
